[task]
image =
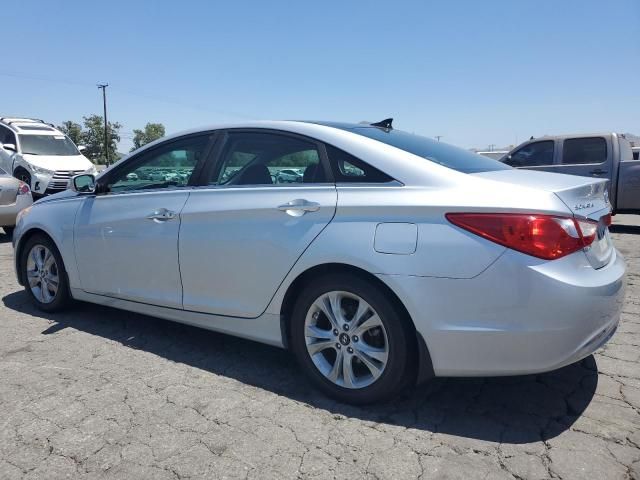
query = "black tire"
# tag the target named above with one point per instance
(401, 346)
(62, 297)
(9, 231)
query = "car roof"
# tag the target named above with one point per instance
(29, 126)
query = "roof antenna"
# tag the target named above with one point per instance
(386, 124)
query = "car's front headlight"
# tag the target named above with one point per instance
(91, 170)
(42, 171)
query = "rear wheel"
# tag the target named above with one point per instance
(44, 274)
(351, 340)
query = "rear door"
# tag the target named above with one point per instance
(586, 156)
(247, 225)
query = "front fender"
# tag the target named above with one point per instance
(55, 219)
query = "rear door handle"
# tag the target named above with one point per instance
(161, 215)
(598, 171)
(298, 207)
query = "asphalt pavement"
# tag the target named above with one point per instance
(101, 393)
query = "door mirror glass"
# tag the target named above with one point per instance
(83, 183)
(9, 146)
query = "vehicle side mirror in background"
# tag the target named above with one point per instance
(9, 146)
(82, 148)
(84, 183)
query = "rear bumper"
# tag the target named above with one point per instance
(8, 213)
(520, 316)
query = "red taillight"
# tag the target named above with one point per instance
(543, 236)
(23, 189)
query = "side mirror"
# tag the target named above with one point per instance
(82, 148)
(9, 146)
(84, 183)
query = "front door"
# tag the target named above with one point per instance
(266, 200)
(126, 239)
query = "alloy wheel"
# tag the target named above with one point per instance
(346, 339)
(42, 274)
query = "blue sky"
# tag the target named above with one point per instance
(475, 72)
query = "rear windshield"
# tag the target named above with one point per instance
(439, 152)
(47, 145)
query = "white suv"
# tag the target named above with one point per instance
(40, 155)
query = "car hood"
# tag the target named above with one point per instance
(57, 196)
(59, 162)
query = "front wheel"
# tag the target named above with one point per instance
(351, 339)
(44, 275)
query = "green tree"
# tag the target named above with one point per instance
(73, 130)
(151, 132)
(93, 139)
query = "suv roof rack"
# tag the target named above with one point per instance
(12, 120)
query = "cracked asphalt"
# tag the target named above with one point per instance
(102, 393)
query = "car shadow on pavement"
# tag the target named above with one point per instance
(520, 409)
(4, 238)
(630, 229)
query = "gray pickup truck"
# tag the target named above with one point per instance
(606, 155)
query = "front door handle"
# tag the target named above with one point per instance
(598, 171)
(298, 207)
(161, 215)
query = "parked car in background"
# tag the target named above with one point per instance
(395, 259)
(288, 175)
(608, 156)
(14, 197)
(40, 155)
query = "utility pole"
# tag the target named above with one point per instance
(104, 86)
(438, 137)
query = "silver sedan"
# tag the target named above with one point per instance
(15, 195)
(395, 258)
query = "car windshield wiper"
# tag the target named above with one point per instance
(30, 153)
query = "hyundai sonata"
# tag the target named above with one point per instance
(395, 258)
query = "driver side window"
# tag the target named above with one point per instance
(168, 166)
(533, 155)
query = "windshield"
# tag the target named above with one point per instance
(47, 145)
(439, 152)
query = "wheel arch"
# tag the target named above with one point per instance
(424, 369)
(24, 238)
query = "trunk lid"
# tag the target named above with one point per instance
(586, 197)
(8, 190)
